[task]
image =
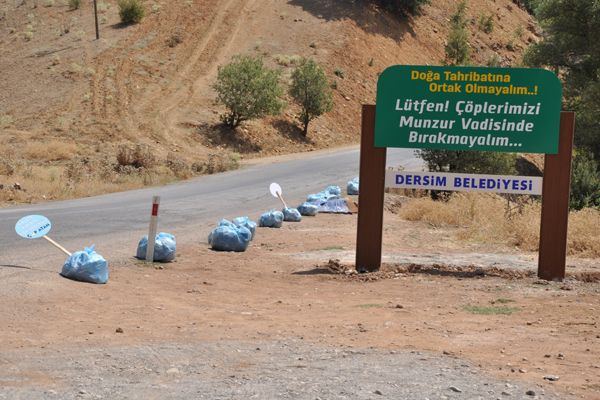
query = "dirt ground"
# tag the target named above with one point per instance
(282, 288)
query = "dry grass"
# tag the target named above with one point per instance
(75, 175)
(286, 60)
(486, 218)
(51, 151)
(178, 166)
(584, 238)
(53, 183)
(6, 120)
(217, 162)
(140, 156)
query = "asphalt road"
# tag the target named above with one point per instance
(115, 222)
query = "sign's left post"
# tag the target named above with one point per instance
(372, 185)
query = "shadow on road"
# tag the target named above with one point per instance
(14, 266)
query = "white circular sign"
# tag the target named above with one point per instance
(33, 226)
(275, 190)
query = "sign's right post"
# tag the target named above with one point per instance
(555, 204)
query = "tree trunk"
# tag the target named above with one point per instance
(306, 121)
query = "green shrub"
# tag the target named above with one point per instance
(493, 60)
(529, 5)
(585, 182)
(248, 90)
(311, 91)
(475, 162)
(457, 49)
(472, 162)
(486, 23)
(131, 11)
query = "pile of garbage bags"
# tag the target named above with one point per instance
(328, 201)
(164, 247)
(86, 266)
(232, 236)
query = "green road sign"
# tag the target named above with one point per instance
(468, 108)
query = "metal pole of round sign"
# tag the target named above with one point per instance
(276, 191)
(35, 227)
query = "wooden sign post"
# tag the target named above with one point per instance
(513, 110)
(555, 204)
(555, 200)
(370, 197)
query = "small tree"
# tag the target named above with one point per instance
(471, 162)
(248, 89)
(311, 91)
(477, 162)
(486, 23)
(457, 48)
(482, 162)
(131, 11)
(571, 48)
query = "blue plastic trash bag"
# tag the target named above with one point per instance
(352, 187)
(336, 206)
(164, 247)
(271, 219)
(332, 192)
(86, 266)
(246, 223)
(229, 237)
(226, 222)
(308, 209)
(291, 215)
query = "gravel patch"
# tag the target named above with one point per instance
(242, 370)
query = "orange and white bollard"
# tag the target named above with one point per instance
(152, 229)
